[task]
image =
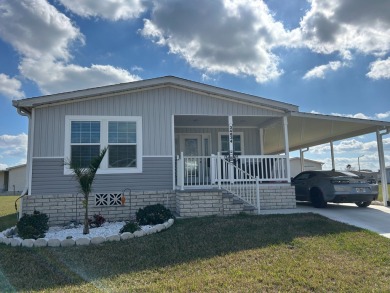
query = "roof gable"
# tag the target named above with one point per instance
(168, 81)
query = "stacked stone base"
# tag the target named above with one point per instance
(64, 208)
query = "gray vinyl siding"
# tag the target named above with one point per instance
(48, 177)
(251, 137)
(156, 106)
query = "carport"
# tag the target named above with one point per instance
(308, 130)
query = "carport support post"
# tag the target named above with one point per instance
(382, 166)
(286, 148)
(332, 154)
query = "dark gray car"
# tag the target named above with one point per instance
(320, 187)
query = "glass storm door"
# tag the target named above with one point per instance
(192, 148)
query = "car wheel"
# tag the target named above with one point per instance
(317, 199)
(363, 204)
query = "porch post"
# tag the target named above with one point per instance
(181, 171)
(219, 171)
(230, 122)
(332, 154)
(287, 148)
(261, 134)
(382, 165)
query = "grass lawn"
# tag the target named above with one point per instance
(296, 253)
(380, 196)
(7, 212)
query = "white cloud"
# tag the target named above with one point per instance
(54, 77)
(36, 29)
(379, 69)
(230, 36)
(331, 26)
(348, 151)
(10, 87)
(14, 146)
(108, 9)
(383, 115)
(44, 37)
(320, 71)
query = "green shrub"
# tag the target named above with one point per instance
(98, 221)
(153, 215)
(130, 227)
(33, 226)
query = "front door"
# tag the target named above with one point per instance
(192, 148)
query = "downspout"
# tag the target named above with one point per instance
(28, 163)
(382, 166)
(302, 158)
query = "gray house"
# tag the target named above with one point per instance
(197, 149)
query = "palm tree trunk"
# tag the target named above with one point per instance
(86, 223)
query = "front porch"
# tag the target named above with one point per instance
(227, 153)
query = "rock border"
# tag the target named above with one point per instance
(84, 241)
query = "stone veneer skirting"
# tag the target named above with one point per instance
(64, 208)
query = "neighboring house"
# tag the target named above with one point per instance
(388, 174)
(3, 181)
(296, 168)
(192, 147)
(13, 179)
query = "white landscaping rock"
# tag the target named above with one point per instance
(83, 241)
(6, 241)
(67, 242)
(113, 238)
(126, 235)
(139, 233)
(15, 242)
(160, 227)
(54, 242)
(40, 242)
(28, 242)
(98, 240)
(152, 230)
(171, 221)
(1, 239)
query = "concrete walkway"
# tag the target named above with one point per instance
(375, 218)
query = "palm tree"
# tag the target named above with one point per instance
(85, 178)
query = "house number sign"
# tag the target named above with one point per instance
(230, 137)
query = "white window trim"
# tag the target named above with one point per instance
(241, 134)
(104, 141)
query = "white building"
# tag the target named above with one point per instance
(13, 179)
(295, 166)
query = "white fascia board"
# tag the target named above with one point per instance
(370, 122)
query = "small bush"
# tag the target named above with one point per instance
(153, 215)
(33, 226)
(130, 227)
(98, 221)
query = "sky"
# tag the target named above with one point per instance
(328, 57)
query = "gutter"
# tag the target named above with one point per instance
(28, 163)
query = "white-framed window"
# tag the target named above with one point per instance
(86, 136)
(238, 143)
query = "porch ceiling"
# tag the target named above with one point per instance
(221, 121)
(306, 130)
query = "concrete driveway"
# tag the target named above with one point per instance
(375, 218)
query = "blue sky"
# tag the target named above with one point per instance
(329, 57)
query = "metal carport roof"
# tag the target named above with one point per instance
(307, 129)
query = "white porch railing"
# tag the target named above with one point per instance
(247, 189)
(205, 171)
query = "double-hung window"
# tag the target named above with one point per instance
(238, 144)
(86, 136)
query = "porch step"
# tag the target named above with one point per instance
(234, 205)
